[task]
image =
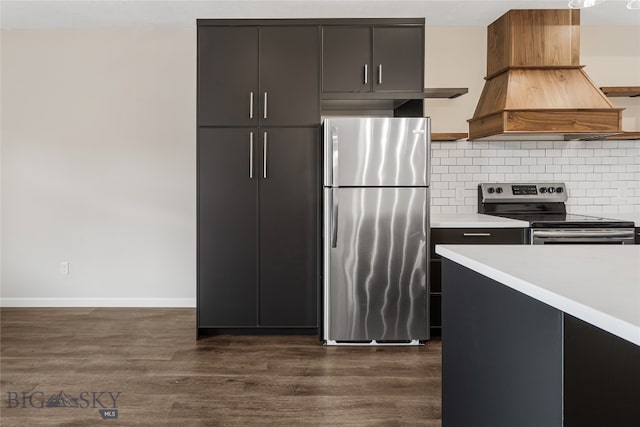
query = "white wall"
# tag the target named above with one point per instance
(98, 154)
(98, 167)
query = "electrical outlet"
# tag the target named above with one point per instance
(64, 268)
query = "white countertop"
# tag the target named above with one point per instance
(599, 284)
(474, 220)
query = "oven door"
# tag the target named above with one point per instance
(595, 236)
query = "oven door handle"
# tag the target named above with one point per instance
(583, 234)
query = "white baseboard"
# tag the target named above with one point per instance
(98, 302)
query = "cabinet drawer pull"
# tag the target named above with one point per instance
(251, 105)
(366, 74)
(264, 156)
(251, 155)
(476, 234)
(380, 74)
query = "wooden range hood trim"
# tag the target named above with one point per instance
(534, 67)
(532, 122)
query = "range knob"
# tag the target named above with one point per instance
(559, 190)
(552, 190)
(543, 190)
(490, 190)
(499, 190)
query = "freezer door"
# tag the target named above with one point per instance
(375, 272)
(376, 152)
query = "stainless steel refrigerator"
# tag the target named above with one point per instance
(376, 229)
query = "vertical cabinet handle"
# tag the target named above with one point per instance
(380, 74)
(251, 105)
(264, 156)
(265, 105)
(251, 155)
(366, 74)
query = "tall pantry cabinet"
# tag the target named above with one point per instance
(258, 176)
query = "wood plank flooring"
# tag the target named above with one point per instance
(166, 377)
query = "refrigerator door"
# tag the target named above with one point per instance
(375, 280)
(376, 152)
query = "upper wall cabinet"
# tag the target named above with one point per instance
(372, 59)
(252, 75)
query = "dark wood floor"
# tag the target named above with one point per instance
(166, 377)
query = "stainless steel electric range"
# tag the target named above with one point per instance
(543, 206)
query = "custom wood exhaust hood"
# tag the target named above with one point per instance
(535, 87)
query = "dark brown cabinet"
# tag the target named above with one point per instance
(257, 227)
(227, 228)
(370, 58)
(252, 75)
(289, 218)
(461, 236)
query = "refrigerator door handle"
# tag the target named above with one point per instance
(334, 218)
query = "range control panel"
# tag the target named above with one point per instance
(493, 192)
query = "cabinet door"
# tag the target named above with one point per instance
(346, 59)
(227, 229)
(289, 76)
(289, 227)
(227, 76)
(398, 59)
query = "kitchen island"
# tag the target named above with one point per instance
(541, 335)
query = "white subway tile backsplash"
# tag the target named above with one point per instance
(480, 161)
(585, 168)
(599, 176)
(553, 169)
(504, 153)
(593, 144)
(544, 161)
(560, 160)
(448, 160)
(439, 169)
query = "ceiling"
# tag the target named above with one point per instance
(34, 14)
